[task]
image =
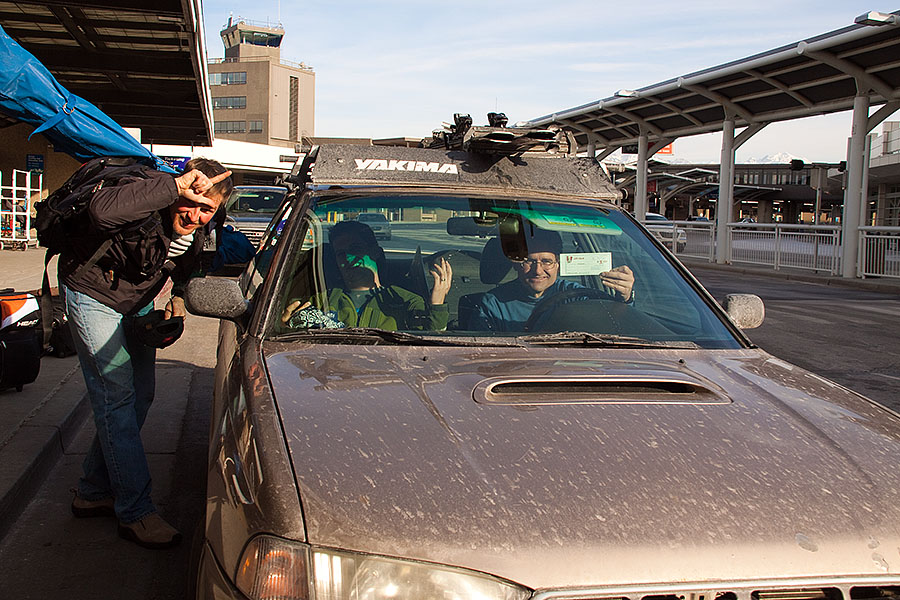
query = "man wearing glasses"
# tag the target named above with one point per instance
(508, 306)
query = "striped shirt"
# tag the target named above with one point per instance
(180, 245)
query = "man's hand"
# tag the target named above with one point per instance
(443, 277)
(194, 184)
(291, 308)
(175, 307)
(620, 280)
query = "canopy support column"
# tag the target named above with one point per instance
(641, 206)
(726, 192)
(852, 201)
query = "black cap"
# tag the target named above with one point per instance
(154, 330)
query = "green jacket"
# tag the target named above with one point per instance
(391, 308)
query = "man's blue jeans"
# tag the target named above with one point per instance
(120, 376)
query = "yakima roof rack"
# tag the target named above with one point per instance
(497, 138)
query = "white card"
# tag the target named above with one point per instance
(585, 263)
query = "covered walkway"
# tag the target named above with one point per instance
(853, 68)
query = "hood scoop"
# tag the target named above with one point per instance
(606, 389)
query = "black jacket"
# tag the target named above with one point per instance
(112, 281)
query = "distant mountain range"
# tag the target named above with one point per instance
(781, 158)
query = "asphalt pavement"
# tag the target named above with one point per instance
(39, 424)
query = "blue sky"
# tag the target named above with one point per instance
(395, 68)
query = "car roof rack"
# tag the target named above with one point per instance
(497, 138)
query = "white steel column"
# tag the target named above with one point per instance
(640, 185)
(850, 216)
(726, 192)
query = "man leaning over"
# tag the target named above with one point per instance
(164, 217)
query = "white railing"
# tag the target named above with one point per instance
(879, 251)
(15, 208)
(812, 247)
(700, 239)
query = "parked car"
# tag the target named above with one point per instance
(378, 223)
(671, 236)
(610, 450)
(250, 208)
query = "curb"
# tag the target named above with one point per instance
(36, 447)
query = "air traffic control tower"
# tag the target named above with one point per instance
(257, 96)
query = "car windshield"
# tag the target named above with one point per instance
(250, 200)
(486, 269)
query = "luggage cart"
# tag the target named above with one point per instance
(15, 209)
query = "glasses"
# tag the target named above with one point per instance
(529, 263)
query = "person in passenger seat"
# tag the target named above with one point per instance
(363, 301)
(508, 306)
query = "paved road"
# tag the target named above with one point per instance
(848, 335)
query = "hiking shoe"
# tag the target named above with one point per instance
(84, 509)
(150, 532)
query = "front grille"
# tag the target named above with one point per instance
(846, 590)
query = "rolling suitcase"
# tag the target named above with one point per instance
(20, 339)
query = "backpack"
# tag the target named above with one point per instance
(63, 217)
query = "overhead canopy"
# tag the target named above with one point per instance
(142, 63)
(812, 77)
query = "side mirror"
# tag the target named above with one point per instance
(746, 310)
(217, 297)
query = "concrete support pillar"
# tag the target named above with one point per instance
(764, 211)
(852, 199)
(881, 218)
(726, 192)
(641, 204)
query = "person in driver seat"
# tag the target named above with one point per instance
(508, 306)
(362, 300)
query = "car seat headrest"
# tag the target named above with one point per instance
(494, 264)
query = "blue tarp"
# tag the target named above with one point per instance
(29, 93)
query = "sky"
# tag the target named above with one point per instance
(399, 68)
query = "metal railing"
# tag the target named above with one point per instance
(700, 239)
(810, 247)
(879, 252)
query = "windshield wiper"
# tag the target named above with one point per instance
(373, 335)
(584, 338)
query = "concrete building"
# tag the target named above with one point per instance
(256, 96)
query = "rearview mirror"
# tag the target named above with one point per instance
(217, 297)
(746, 310)
(472, 226)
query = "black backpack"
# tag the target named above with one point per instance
(63, 217)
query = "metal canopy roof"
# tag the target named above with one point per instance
(816, 76)
(142, 63)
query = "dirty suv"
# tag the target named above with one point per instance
(520, 395)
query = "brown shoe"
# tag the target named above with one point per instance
(84, 509)
(150, 532)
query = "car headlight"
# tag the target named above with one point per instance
(275, 569)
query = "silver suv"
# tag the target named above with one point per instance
(556, 411)
(250, 208)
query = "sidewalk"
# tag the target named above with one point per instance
(39, 422)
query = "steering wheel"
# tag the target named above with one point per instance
(553, 302)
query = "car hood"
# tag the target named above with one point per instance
(716, 464)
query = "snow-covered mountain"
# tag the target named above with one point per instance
(782, 158)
